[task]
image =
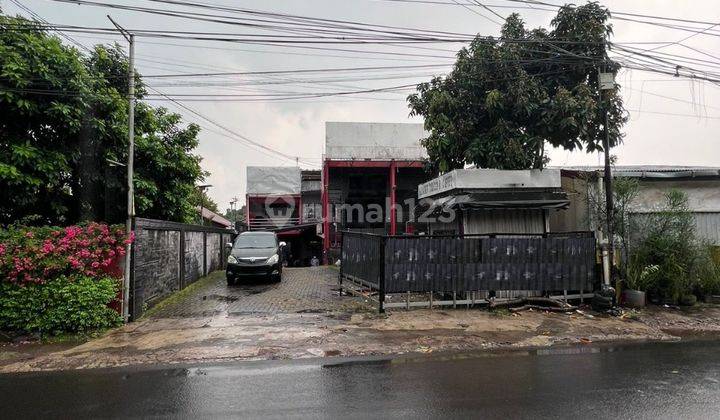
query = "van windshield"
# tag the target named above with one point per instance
(255, 241)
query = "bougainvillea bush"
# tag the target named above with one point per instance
(55, 279)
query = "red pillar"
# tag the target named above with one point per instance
(326, 210)
(393, 187)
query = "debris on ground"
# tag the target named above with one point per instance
(533, 303)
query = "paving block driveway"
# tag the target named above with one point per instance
(302, 290)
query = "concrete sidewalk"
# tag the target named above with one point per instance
(304, 316)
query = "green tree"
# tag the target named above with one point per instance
(201, 198)
(42, 89)
(236, 214)
(65, 118)
(507, 97)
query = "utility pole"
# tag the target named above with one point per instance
(234, 208)
(606, 82)
(131, 155)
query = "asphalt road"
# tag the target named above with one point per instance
(670, 380)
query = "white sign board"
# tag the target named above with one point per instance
(374, 141)
(273, 180)
(445, 182)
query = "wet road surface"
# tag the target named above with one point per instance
(669, 380)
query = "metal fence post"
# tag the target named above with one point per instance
(381, 280)
(342, 263)
(181, 259)
(205, 270)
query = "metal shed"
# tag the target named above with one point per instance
(493, 201)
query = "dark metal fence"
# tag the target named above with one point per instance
(397, 264)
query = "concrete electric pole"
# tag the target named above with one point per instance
(606, 82)
(130, 168)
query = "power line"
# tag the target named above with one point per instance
(235, 134)
(477, 13)
(41, 19)
(673, 114)
(490, 10)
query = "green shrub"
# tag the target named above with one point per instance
(667, 240)
(706, 272)
(76, 303)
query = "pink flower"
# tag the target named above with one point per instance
(47, 247)
(28, 234)
(95, 264)
(2, 249)
(75, 263)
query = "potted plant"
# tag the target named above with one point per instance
(637, 282)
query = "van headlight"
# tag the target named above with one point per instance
(232, 260)
(273, 260)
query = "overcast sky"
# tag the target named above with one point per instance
(297, 128)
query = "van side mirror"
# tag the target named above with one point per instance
(228, 245)
(283, 244)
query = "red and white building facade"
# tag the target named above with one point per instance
(370, 175)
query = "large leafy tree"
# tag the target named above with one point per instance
(64, 120)
(507, 97)
(38, 129)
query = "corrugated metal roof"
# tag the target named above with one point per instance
(640, 168)
(652, 171)
(211, 216)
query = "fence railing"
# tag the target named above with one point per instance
(558, 262)
(271, 223)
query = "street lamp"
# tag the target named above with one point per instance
(202, 189)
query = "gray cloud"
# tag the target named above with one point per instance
(298, 128)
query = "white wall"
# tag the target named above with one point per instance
(503, 221)
(703, 195)
(273, 180)
(374, 141)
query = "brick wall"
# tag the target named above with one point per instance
(168, 256)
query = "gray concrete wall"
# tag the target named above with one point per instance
(703, 199)
(703, 195)
(156, 264)
(213, 252)
(194, 258)
(168, 256)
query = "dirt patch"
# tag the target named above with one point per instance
(22, 351)
(301, 318)
(300, 335)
